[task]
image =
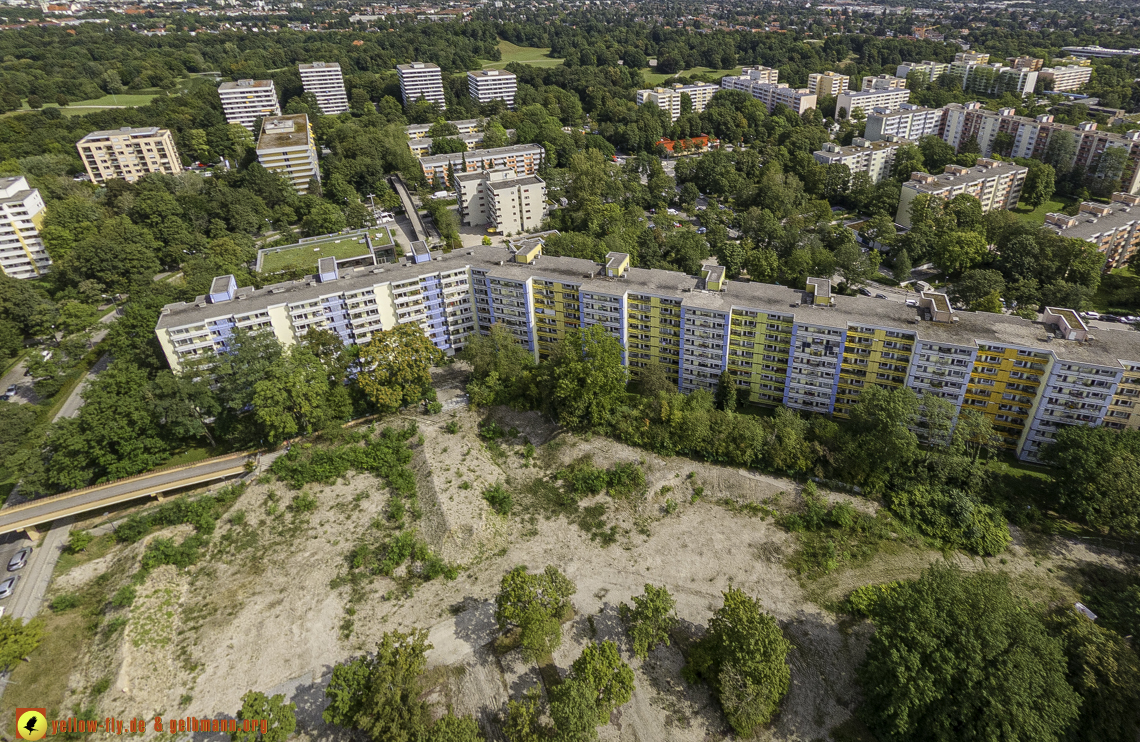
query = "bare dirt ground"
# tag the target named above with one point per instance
(259, 612)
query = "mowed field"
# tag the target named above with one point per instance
(532, 55)
(654, 78)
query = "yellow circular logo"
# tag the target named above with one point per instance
(31, 725)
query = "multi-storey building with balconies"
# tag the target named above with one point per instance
(485, 86)
(829, 84)
(670, 99)
(287, 147)
(1062, 79)
(325, 81)
(862, 156)
(421, 81)
(128, 154)
(524, 159)
(848, 103)
(808, 350)
(761, 84)
(246, 101)
(883, 82)
(1114, 228)
(22, 252)
(908, 121)
(997, 185)
(509, 202)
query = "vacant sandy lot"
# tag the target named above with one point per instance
(260, 614)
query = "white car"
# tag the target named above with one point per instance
(1090, 315)
(1131, 319)
(912, 302)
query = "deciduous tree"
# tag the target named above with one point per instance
(280, 718)
(396, 367)
(650, 620)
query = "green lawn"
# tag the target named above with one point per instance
(532, 55)
(1123, 282)
(654, 78)
(306, 255)
(1057, 204)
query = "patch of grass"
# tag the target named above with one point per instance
(654, 78)
(532, 55)
(97, 548)
(837, 537)
(192, 455)
(42, 681)
(1057, 204)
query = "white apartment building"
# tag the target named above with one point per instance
(908, 121)
(485, 86)
(325, 81)
(22, 253)
(760, 83)
(863, 156)
(128, 153)
(286, 146)
(1062, 79)
(246, 101)
(850, 102)
(883, 82)
(997, 185)
(929, 71)
(669, 99)
(994, 79)
(1114, 228)
(421, 80)
(829, 84)
(510, 203)
(522, 158)
(466, 126)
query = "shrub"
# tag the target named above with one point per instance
(303, 503)
(953, 517)
(79, 541)
(124, 596)
(452, 427)
(65, 602)
(862, 600)
(386, 456)
(434, 408)
(624, 480)
(499, 499)
(670, 506)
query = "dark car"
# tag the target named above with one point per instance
(19, 559)
(7, 586)
(880, 296)
(865, 291)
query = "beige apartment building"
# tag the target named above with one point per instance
(1032, 64)
(1063, 79)
(1114, 228)
(246, 101)
(669, 99)
(760, 83)
(128, 153)
(908, 121)
(863, 156)
(829, 83)
(286, 146)
(997, 185)
(22, 253)
(848, 103)
(501, 198)
(522, 158)
(883, 82)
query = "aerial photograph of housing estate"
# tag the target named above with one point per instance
(530, 371)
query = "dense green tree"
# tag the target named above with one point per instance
(396, 367)
(1040, 182)
(975, 285)
(534, 604)
(586, 377)
(958, 656)
(743, 657)
(601, 669)
(280, 718)
(324, 218)
(650, 620)
(18, 639)
(1097, 475)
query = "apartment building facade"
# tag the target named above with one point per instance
(128, 153)
(863, 156)
(287, 146)
(501, 198)
(485, 86)
(669, 99)
(927, 71)
(1031, 137)
(325, 81)
(421, 80)
(850, 102)
(829, 84)
(883, 82)
(1063, 79)
(525, 159)
(22, 252)
(760, 83)
(908, 121)
(997, 185)
(809, 351)
(466, 126)
(1025, 63)
(246, 101)
(1114, 227)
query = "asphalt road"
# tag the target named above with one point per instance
(146, 484)
(74, 401)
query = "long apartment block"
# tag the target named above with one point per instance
(1031, 136)
(867, 100)
(669, 99)
(807, 350)
(325, 81)
(863, 156)
(525, 159)
(1114, 228)
(128, 154)
(997, 185)
(761, 83)
(246, 101)
(1062, 79)
(22, 252)
(907, 121)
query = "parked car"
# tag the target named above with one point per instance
(912, 302)
(1090, 315)
(701, 230)
(7, 586)
(1130, 319)
(880, 296)
(5, 397)
(11, 389)
(865, 291)
(19, 559)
